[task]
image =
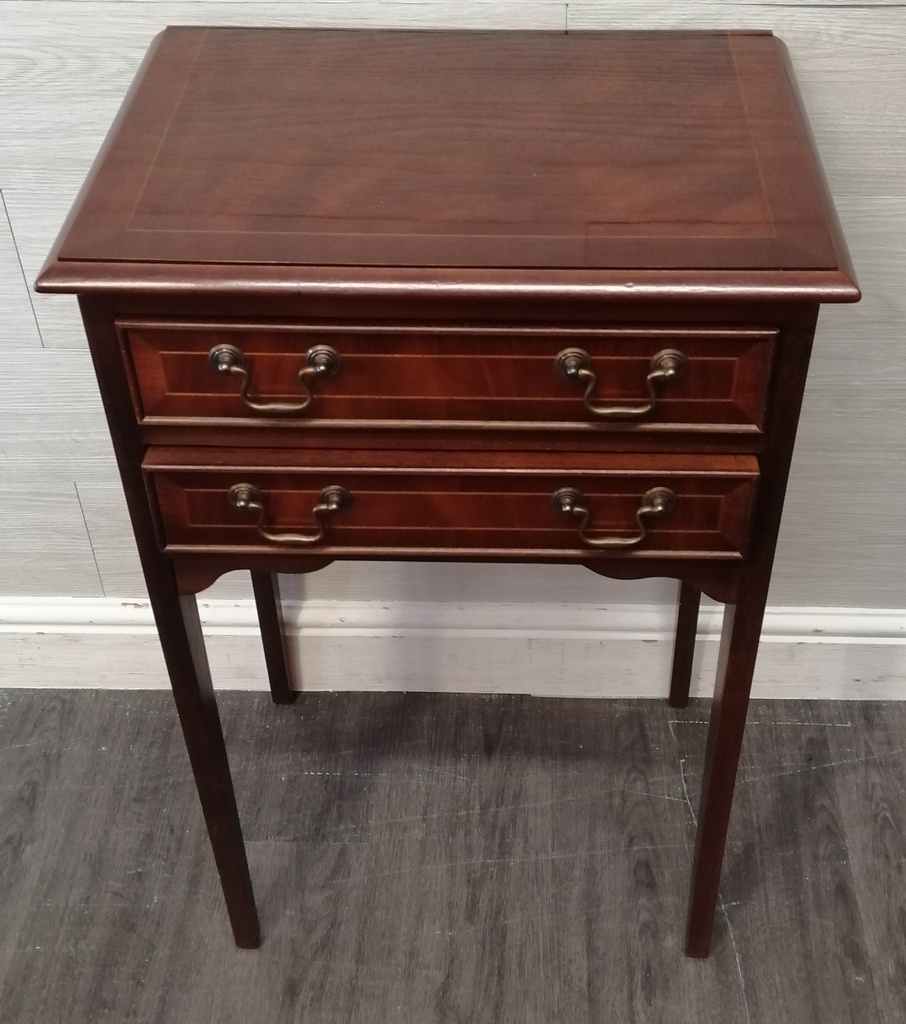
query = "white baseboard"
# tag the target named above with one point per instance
(545, 649)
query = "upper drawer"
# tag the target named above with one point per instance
(660, 378)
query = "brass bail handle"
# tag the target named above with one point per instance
(320, 361)
(667, 365)
(331, 500)
(657, 502)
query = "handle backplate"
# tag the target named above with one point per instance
(656, 502)
(667, 365)
(331, 500)
(320, 361)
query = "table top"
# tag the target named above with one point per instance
(612, 160)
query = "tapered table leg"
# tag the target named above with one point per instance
(684, 644)
(184, 652)
(736, 665)
(273, 636)
(181, 639)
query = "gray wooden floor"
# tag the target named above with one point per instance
(424, 858)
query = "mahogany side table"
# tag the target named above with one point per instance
(506, 296)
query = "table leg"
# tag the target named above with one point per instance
(684, 644)
(273, 636)
(736, 665)
(184, 652)
(179, 628)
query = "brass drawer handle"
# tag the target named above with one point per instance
(656, 502)
(331, 499)
(321, 361)
(666, 365)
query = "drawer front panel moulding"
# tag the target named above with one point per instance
(442, 373)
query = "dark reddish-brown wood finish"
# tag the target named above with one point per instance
(176, 617)
(449, 211)
(475, 150)
(266, 588)
(477, 503)
(436, 373)
(687, 607)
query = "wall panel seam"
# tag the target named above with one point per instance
(25, 282)
(94, 556)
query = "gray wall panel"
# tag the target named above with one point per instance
(64, 66)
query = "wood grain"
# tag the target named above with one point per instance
(425, 173)
(792, 792)
(39, 63)
(18, 327)
(870, 780)
(853, 419)
(280, 672)
(458, 503)
(847, 64)
(688, 602)
(51, 425)
(508, 860)
(852, 394)
(390, 372)
(35, 217)
(114, 549)
(44, 543)
(863, 534)
(853, 99)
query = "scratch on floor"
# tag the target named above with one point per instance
(732, 938)
(823, 725)
(720, 902)
(489, 861)
(530, 913)
(655, 796)
(671, 722)
(557, 801)
(418, 769)
(802, 769)
(146, 866)
(685, 787)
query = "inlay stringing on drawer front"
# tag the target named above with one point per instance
(385, 503)
(658, 377)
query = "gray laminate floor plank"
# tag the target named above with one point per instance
(445, 859)
(789, 896)
(870, 770)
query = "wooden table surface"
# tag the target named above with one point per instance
(415, 150)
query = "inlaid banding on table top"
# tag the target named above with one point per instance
(416, 157)
(554, 173)
(465, 373)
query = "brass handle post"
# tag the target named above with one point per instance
(331, 500)
(320, 361)
(656, 502)
(667, 365)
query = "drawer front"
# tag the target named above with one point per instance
(621, 377)
(620, 506)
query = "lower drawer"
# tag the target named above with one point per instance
(461, 503)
